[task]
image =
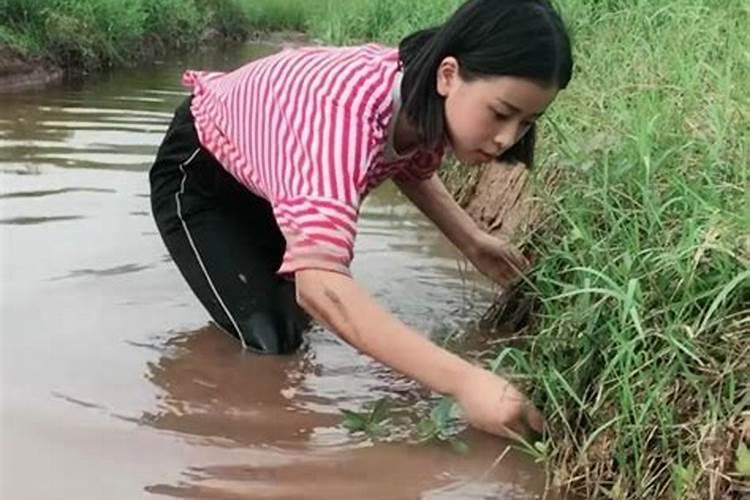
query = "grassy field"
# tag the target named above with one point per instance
(640, 353)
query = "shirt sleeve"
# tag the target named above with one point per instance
(318, 217)
(325, 145)
(319, 233)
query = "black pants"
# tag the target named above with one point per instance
(225, 242)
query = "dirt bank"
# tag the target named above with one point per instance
(19, 73)
(497, 198)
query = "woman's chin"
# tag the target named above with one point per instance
(462, 157)
(474, 159)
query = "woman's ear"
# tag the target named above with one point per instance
(447, 75)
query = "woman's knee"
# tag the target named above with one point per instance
(267, 332)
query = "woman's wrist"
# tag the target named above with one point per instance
(462, 380)
(473, 243)
(458, 376)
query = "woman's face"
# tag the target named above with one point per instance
(487, 116)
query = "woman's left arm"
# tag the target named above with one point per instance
(496, 258)
(433, 199)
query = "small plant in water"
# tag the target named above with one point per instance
(442, 425)
(374, 422)
(538, 450)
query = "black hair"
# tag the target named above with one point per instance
(521, 38)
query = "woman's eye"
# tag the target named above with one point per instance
(501, 116)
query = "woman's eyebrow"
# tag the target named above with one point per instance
(516, 109)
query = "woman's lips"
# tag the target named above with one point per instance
(486, 158)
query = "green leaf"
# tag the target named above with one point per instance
(376, 430)
(683, 478)
(426, 429)
(743, 459)
(459, 446)
(541, 447)
(441, 414)
(353, 421)
(380, 411)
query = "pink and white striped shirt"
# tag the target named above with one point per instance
(307, 129)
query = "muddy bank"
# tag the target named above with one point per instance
(20, 73)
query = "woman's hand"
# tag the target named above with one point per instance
(490, 403)
(497, 258)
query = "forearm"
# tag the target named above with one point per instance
(435, 201)
(349, 311)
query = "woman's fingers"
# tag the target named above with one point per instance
(523, 428)
(528, 422)
(515, 265)
(507, 275)
(534, 418)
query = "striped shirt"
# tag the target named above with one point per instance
(308, 129)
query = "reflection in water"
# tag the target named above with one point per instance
(216, 396)
(213, 390)
(111, 123)
(68, 136)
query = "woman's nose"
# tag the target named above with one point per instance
(507, 136)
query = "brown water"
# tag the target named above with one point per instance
(115, 386)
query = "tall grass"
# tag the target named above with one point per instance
(641, 356)
(641, 353)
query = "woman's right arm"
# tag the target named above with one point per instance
(339, 303)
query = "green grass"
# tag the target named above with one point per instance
(640, 356)
(281, 16)
(641, 353)
(91, 34)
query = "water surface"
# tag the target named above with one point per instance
(115, 385)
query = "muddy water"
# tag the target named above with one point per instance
(114, 384)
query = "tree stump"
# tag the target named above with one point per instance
(497, 199)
